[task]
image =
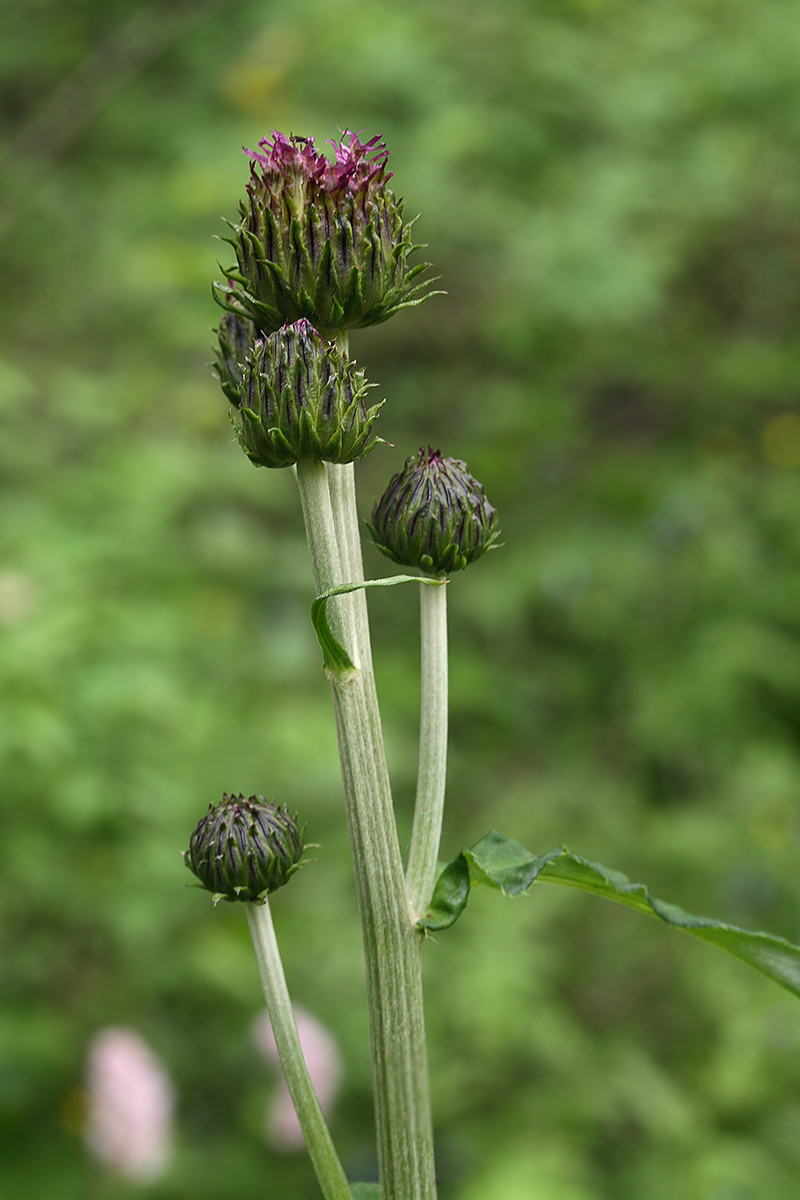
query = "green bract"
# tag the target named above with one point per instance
(434, 515)
(243, 849)
(235, 339)
(319, 239)
(298, 400)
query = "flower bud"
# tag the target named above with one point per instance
(235, 339)
(434, 515)
(319, 239)
(300, 399)
(242, 849)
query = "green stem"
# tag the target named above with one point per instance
(392, 944)
(324, 1158)
(341, 481)
(429, 807)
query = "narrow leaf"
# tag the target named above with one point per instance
(501, 863)
(366, 1191)
(334, 656)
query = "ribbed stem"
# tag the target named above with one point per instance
(429, 807)
(392, 945)
(324, 1158)
(342, 485)
(341, 481)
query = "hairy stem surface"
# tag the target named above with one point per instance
(329, 1171)
(429, 808)
(392, 944)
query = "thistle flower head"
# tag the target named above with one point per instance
(293, 166)
(320, 239)
(298, 399)
(244, 848)
(434, 515)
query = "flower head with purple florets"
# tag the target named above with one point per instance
(357, 165)
(321, 239)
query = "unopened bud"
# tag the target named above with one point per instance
(235, 339)
(243, 848)
(301, 400)
(434, 516)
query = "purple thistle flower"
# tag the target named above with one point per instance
(290, 156)
(354, 167)
(357, 164)
(321, 239)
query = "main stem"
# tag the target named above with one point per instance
(329, 1170)
(392, 944)
(429, 807)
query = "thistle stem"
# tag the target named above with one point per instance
(329, 1171)
(341, 481)
(392, 944)
(429, 807)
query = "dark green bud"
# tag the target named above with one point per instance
(235, 340)
(243, 849)
(434, 515)
(319, 239)
(301, 400)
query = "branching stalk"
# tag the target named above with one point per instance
(392, 944)
(329, 1171)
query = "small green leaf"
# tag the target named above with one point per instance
(449, 896)
(501, 863)
(334, 656)
(366, 1191)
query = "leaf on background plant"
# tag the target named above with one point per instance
(366, 1191)
(502, 863)
(334, 656)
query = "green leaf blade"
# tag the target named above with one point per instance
(503, 863)
(335, 658)
(449, 897)
(506, 865)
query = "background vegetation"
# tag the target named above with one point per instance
(609, 191)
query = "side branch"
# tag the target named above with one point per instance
(429, 808)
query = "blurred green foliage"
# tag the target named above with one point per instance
(609, 191)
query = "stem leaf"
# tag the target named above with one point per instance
(334, 656)
(505, 865)
(366, 1191)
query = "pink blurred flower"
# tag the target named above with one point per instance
(130, 1106)
(324, 1067)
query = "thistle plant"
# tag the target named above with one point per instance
(322, 247)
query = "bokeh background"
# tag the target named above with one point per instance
(609, 191)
